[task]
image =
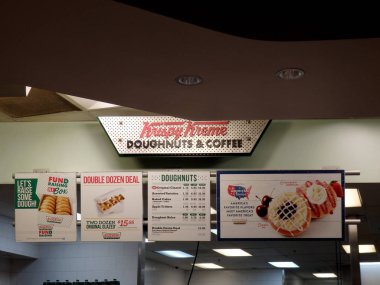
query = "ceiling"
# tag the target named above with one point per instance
(129, 53)
(118, 53)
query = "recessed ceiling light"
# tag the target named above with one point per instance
(352, 198)
(27, 90)
(214, 231)
(213, 211)
(363, 248)
(284, 264)
(290, 73)
(232, 252)
(189, 80)
(208, 265)
(325, 275)
(175, 253)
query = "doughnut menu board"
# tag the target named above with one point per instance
(280, 204)
(112, 206)
(179, 206)
(45, 207)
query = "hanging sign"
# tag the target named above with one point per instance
(280, 204)
(112, 207)
(179, 206)
(45, 207)
(163, 135)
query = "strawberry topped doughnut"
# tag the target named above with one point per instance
(321, 197)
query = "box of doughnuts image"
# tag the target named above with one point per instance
(54, 209)
(110, 202)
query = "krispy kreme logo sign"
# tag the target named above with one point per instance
(174, 136)
(111, 235)
(185, 129)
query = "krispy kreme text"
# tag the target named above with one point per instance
(183, 129)
(184, 135)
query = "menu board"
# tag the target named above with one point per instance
(179, 206)
(45, 207)
(280, 204)
(112, 207)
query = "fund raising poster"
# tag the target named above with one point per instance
(45, 207)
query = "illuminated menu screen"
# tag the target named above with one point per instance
(280, 204)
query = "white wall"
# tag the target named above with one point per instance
(309, 144)
(161, 274)
(80, 260)
(241, 277)
(57, 147)
(313, 144)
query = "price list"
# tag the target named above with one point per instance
(179, 206)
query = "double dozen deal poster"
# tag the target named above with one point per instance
(280, 204)
(45, 207)
(111, 206)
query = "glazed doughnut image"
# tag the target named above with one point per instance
(321, 197)
(63, 206)
(289, 214)
(48, 204)
(58, 205)
(104, 205)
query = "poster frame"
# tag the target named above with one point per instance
(238, 172)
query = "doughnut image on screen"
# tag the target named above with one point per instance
(321, 196)
(289, 214)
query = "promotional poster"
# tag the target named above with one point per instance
(280, 204)
(111, 206)
(45, 207)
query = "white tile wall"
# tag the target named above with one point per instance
(292, 280)
(161, 274)
(7, 240)
(4, 271)
(72, 261)
(241, 277)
